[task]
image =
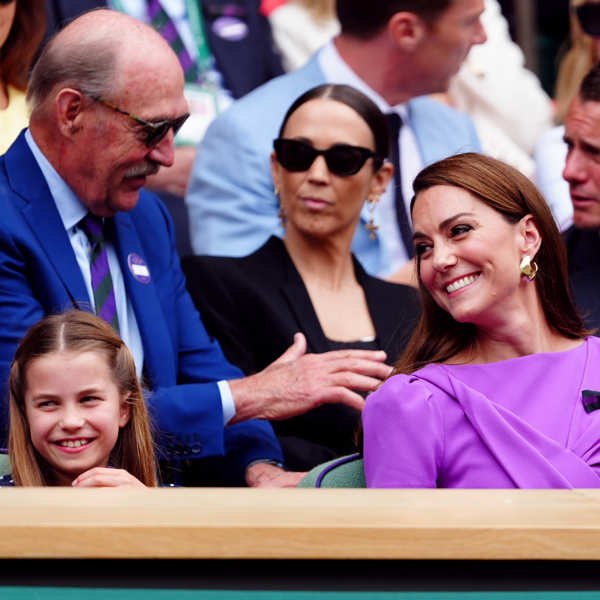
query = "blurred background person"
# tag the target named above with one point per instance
(494, 389)
(551, 151)
(582, 173)
(328, 160)
(504, 98)
(300, 28)
(22, 26)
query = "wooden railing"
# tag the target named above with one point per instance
(299, 523)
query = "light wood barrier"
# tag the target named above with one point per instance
(300, 524)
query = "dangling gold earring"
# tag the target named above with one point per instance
(281, 212)
(370, 224)
(528, 269)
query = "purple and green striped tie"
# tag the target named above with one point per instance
(162, 23)
(102, 285)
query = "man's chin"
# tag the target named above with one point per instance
(124, 200)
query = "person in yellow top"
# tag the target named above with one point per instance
(22, 26)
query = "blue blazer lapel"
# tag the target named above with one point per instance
(39, 210)
(150, 318)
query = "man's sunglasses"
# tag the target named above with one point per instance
(341, 159)
(151, 132)
(589, 18)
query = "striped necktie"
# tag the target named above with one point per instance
(162, 23)
(394, 125)
(102, 285)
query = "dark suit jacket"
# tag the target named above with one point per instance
(40, 275)
(244, 64)
(583, 251)
(255, 304)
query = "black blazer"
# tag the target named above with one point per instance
(244, 64)
(583, 251)
(254, 305)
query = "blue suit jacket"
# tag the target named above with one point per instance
(40, 275)
(231, 205)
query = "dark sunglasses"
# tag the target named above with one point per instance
(6, 3)
(152, 132)
(341, 159)
(589, 18)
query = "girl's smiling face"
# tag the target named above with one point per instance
(74, 411)
(468, 254)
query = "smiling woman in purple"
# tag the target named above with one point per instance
(497, 387)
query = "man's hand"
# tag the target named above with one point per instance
(297, 382)
(106, 477)
(175, 179)
(269, 475)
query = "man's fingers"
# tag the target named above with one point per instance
(354, 365)
(375, 355)
(295, 351)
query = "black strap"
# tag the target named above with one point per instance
(394, 124)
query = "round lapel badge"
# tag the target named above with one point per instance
(138, 268)
(231, 29)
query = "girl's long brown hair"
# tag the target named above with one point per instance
(79, 331)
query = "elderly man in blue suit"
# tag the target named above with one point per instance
(393, 51)
(106, 98)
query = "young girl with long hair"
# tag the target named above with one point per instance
(77, 412)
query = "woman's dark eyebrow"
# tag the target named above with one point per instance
(443, 224)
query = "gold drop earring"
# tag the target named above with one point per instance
(370, 224)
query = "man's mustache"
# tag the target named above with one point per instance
(144, 168)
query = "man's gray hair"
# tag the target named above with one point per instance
(89, 66)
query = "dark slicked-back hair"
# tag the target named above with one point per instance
(364, 19)
(356, 100)
(590, 86)
(438, 335)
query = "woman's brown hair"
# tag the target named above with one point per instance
(438, 336)
(22, 43)
(79, 331)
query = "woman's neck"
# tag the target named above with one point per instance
(323, 262)
(524, 330)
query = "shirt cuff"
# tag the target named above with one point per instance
(226, 401)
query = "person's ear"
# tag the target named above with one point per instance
(529, 236)
(407, 30)
(124, 411)
(69, 104)
(381, 178)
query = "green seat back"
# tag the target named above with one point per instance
(347, 471)
(5, 468)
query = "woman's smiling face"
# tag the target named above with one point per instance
(468, 254)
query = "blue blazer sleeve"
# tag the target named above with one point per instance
(182, 362)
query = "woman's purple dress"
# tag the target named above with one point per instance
(527, 422)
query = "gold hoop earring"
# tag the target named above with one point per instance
(370, 224)
(528, 268)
